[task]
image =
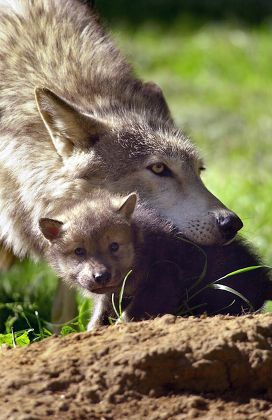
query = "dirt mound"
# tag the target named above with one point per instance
(169, 368)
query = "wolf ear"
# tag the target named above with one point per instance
(68, 127)
(154, 94)
(128, 206)
(50, 228)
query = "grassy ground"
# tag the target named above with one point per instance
(217, 80)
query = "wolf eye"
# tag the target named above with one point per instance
(160, 169)
(114, 246)
(80, 252)
(202, 168)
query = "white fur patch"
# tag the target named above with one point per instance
(14, 5)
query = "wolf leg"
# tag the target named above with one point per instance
(64, 306)
(101, 304)
(7, 258)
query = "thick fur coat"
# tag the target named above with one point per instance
(73, 117)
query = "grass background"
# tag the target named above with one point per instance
(217, 80)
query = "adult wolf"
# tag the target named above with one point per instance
(89, 123)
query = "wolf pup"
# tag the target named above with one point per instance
(73, 117)
(94, 245)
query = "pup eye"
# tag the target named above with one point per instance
(114, 246)
(80, 252)
(202, 168)
(160, 169)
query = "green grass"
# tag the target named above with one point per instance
(26, 297)
(118, 309)
(217, 80)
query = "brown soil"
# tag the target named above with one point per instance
(169, 368)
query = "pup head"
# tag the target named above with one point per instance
(92, 244)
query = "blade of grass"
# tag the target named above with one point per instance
(118, 311)
(39, 325)
(224, 307)
(233, 291)
(13, 338)
(243, 270)
(233, 273)
(189, 310)
(113, 305)
(122, 292)
(204, 270)
(267, 306)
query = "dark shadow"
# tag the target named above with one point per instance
(165, 12)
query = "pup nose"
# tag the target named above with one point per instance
(102, 277)
(229, 224)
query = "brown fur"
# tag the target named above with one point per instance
(93, 226)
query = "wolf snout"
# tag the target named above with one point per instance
(102, 277)
(229, 224)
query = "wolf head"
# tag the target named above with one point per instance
(122, 150)
(92, 246)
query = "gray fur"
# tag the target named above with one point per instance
(91, 123)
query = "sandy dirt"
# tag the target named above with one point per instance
(168, 368)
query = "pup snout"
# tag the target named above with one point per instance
(229, 224)
(102, 277)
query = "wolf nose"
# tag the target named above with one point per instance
(102, 277)
(229, 225)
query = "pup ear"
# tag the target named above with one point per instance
(50, 228)
(128, 205)
(68, 127)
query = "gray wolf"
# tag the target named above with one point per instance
(95, 244)
(73, 117)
